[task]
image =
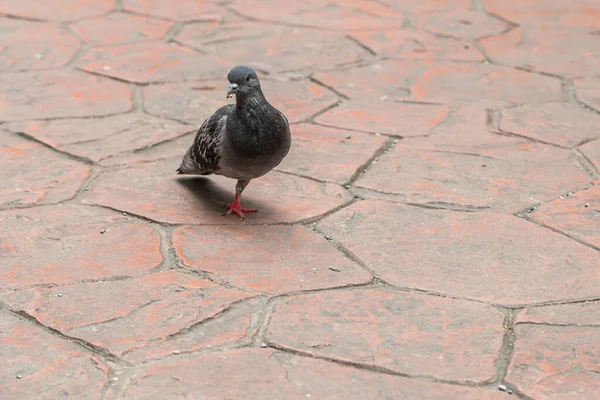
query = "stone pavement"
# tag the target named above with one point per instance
(434, 232)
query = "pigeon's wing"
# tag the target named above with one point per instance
(203, 156)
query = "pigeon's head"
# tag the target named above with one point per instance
(243, 81)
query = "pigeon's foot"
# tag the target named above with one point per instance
(236, 207)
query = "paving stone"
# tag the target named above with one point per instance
(587, 90)
(437, 82)
(462, 24)
(272, 259)
(385, 117)
(65, 243)
(33, 45)
(193, 103)
(182, 10)
(49, 367)
(505, 181)
(329, 154)
(165, 150)
(348, 15)
(277, 49)
(488, 257)
(407, 333)
(592, 152)
(148, 62)
(587, 313)
(155, 191)
(56, 10)
(559, 50)
(576, 13)
(100, 138)
(415, 44)
(120, 28)
(126, 315)
(32, 174)
(426, 6)
(59, 94)
(577, 215)
(562, 124)
(263, 374)
(552, 362)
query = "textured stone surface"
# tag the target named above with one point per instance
(183, 10)
(461, 24)
(196, 102)
(587, 90)
(417, 44)
(120, 28)
(586, 313)
(438, 82)
(279, 50)
(552, 361)
(58, 244)
(124, 316)
(44, 366)
(99, 139)
(60, 93)
(32, 174)
(147, 62)
(507, 180)
(566, 125)
(155, 191)
(403, 332)
(592, 152)
(57, 10)
(265, 374)
(559, 50)
(329, 154)
(275, 259)
(385, 117)
(488, 257)
(577, 215)
(33, 45)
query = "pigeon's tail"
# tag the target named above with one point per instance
(190, 167)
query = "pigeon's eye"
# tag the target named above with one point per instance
(248, 77)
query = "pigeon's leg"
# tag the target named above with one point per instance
(236, 206)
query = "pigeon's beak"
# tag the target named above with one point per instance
(232, 89)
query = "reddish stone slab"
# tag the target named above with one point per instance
(347, 15)
(576, 13)
(506, 180)
(587, 313)
(57, 244)
(119, 28)
(390, 118)
(182, 10)
(49, 367)
(33, 45)
(408, 333)
(148, 61)
(552, 362)
(329, 154)
(488, 257)
(264, 374)
(155, 191)
(405, 44)
(128, 315)
(588, 91)
(559, 50)
(271, 259)
(562, 124)
(165, 150)
(60, 93)
(577, 215)
(592, 152)
(32, 174)
(460, 23)
(485, 85)
(56, 10)
(278, 49)
(101, 138)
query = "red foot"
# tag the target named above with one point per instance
(236, 207)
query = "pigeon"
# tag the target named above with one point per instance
(241, 141)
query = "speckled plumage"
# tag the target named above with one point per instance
(242, 141)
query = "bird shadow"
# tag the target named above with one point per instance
(206, 192)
